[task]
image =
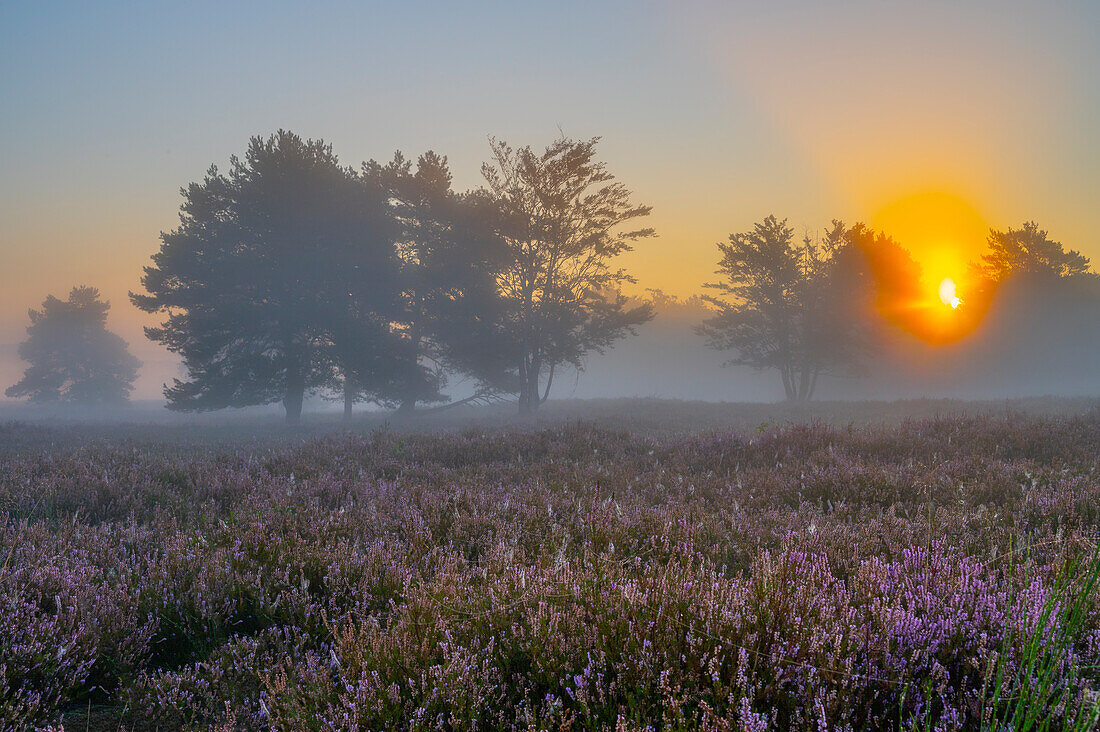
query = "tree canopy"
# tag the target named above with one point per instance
(564, 219)
(449, 254)
(292, 274)
(281, 279)
(73, 357)
(794, 306)
(1028, 250)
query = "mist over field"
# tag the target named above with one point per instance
(1028, 346)
(1025, 348)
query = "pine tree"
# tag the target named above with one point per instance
(73, 357)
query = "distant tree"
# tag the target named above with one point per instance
(281, 279)
(562, 218)
(73, 357)
(781, 305)
(1028, 251)
(449, 255)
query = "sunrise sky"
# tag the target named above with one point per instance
(933, 120)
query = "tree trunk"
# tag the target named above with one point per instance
(408, 404)
(295, 394)
(349, 397)
(523, 386)
(804, 385)
(529, 387)
(533, 385)
(788, 386)
(813, 384)
(549, 381)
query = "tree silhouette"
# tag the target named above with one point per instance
(472, 317)
(281, 279)
(782, 306)
(562, 218)
(1028, 251)
(73, 357)
(449, 256)
(877, 283)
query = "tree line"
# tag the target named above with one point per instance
(819, 304)
(292, 274)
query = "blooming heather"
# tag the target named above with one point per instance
(807, 577)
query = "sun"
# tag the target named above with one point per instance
(943, 232)
(947, 293)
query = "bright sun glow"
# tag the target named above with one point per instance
(943, 232)
(948, 294)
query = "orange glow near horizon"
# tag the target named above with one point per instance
(944, 234)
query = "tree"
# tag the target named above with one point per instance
(73, 357)
(561, 218)
(472, 317)
(781, 306)
(281, 279)
(1028, 251)
(876, 279)
(449, 255)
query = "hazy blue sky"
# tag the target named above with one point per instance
(717, 114)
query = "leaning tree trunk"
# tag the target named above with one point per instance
(549, 382)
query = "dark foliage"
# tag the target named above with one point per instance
(562, 218)
(73, 357)
(1028, 250)
(787, 306)
(281, 279)
(451, 314)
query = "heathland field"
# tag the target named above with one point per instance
(745, 570)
